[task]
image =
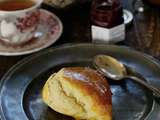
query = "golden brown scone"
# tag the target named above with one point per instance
(79, 92)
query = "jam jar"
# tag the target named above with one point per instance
(107, 21)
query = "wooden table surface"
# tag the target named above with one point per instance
(143, 34)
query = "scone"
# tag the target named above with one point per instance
(79, 92)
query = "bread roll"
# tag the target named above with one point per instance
(79, 92)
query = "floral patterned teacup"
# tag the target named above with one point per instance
(19, 26)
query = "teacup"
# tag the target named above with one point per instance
(19, 26)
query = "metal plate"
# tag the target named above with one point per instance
(20, 90)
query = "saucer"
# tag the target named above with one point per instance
(49, 30)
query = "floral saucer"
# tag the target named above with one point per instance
(49, 30)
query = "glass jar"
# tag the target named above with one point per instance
(107, 21)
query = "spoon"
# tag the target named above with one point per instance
(112, 68)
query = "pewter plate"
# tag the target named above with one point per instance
(21, 87)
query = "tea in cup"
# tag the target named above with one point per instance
(19, 20)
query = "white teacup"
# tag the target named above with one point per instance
(19, 26)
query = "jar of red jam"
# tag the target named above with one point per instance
(107, 21)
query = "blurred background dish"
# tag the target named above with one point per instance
(128, 16)
(59, 3)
